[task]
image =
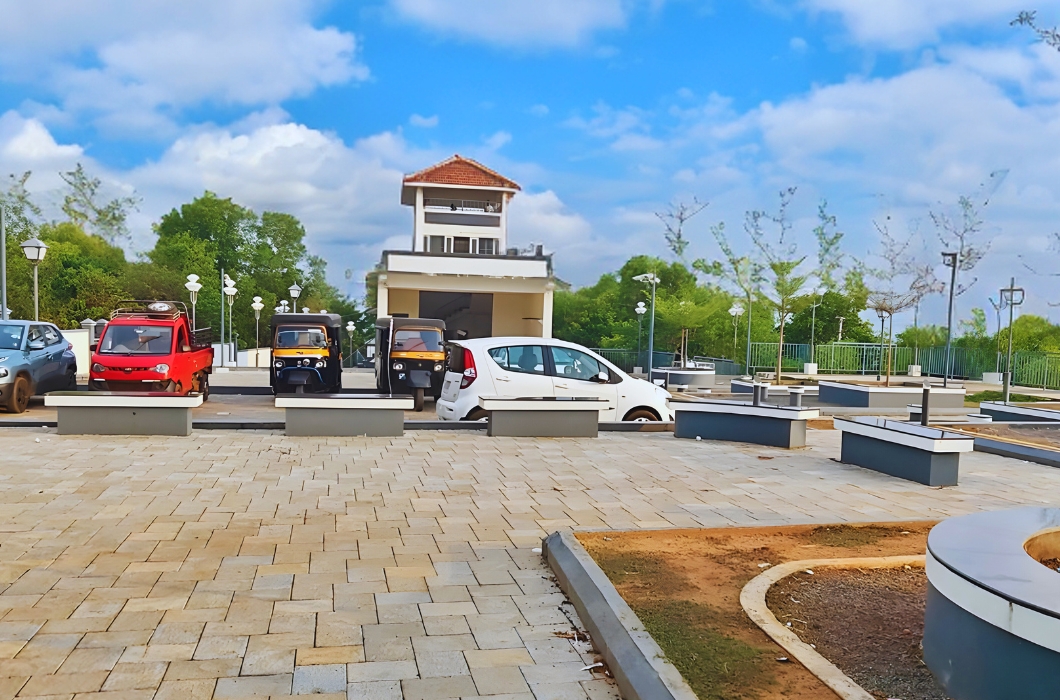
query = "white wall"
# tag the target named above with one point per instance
(79, 339)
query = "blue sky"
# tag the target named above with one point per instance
(604, 110)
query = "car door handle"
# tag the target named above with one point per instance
(503, 379)
(563, 386)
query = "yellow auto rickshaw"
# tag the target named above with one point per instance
(410, 357)
(306, 353)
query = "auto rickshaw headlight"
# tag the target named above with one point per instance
(399, 366)
(320, 363)
(278, 364)
(438, 367)
(305, 362)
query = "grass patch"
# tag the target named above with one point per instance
(991, 395)
(717, 667)
(649, 575)
(849, 535)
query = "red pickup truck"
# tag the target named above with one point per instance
(151, 346)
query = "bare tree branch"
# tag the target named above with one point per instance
(674, 219)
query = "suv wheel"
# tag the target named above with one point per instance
(19, 399)
(71, 380)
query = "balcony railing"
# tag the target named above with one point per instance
(462, 205)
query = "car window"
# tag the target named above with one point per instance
(528, 359)
(51, 336)
(11, 336)
(136, 340)
(575, 364)
(36, 335)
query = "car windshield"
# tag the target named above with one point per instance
(11, 337)
(301, 337)
(136, 340)
(415, 340)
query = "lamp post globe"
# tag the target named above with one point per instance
(883, 315)
(193, 286)
(257, 306)
(230, 292)
(351, 328)
(294, 290)
(650, 278)
(640, 309)
(34, 248)
(736, 311)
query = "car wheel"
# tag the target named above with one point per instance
(642, 415)
(71, 381)
(204, 386)
(417, 397)
(477, 414)
(18, 402)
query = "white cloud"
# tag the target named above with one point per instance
(518, 22)
(905, 24)
(798, 44)
(424, 122)
(498, 140)
(539, 110)
(132, 66)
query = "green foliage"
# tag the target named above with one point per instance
(921, 337)
(1032, 332)
(83, 207)
(833, 305)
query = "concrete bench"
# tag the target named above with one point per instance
(864, 396)
(916, 415)
(928, 456)
(999, 410)
(743, 386)
(122, 413)
(738, 421)
(344, 415)
(552, 416)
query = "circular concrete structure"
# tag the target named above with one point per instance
(992, 622)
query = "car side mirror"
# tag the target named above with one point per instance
(35, 345)
(185, 348)
(603, 377)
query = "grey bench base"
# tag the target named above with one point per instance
(563, 423)
(758, 430)
(115, 420)
(921, 466)
(344, 422)
(897, 397)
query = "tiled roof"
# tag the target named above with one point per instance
(461, 171)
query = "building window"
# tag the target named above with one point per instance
(487, 246)
(435, 244)
(462, 244)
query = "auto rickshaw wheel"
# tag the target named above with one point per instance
(417, 397)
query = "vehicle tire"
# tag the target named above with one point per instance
(71, 381)
(178, 388)
(476, 414)
(18, 402)
(641, 415)
(417, 397)
(300, 389)
(204, 386)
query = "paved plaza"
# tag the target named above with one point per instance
(236, 564)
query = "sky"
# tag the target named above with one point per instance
(605, 111)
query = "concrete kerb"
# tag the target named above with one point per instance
(753, 601)
(638, 664)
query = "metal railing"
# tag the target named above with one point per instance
(626, 360)
(834, 358)
(472, 205)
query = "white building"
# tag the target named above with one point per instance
(460, 268)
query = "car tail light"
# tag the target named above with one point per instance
(470, 373)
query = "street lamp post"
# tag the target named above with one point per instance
(640, 309)
(650, 278)
(1013, 296)
(193, 286)
(294, 290)
(950, 260)
(230, 292)
(883, 316)
(736, 311)
(257, 306)
(3, 267)
(813, 320)
(35, 250)
(351, 328)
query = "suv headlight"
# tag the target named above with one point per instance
(3, 372)
(161, 368)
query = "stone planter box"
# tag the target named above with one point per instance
(551, 416)
(688, 379)
(1045, 411)
(860, 396)
(344, 415)
(741, 386)
(737, 421)
(992, 621)
(122, 413)
(928, 456)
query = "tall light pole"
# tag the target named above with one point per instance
(230, 292)
(1013, 296)
(640, 310)
(257, 306)
(883, 316)
(294, 291)
(193, 286)
(813, 319)
(950, 260)
(840, 339)
(736, 311)
(650, 278)
(3, 267)
(351, 328)
(35, 250)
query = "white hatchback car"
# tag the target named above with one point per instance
(534, 367)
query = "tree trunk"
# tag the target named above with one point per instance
(780, 349)
(890, 336)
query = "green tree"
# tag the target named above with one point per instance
(84, 206)
(833, 306)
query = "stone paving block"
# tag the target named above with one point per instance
(201, 689)
(64, 683)
(436, 664)
(137, 676)
(374, 690)
(497, 680)
(326, 678)
(381, 671)
(250, 686)
(86, 660)
(329, 655)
